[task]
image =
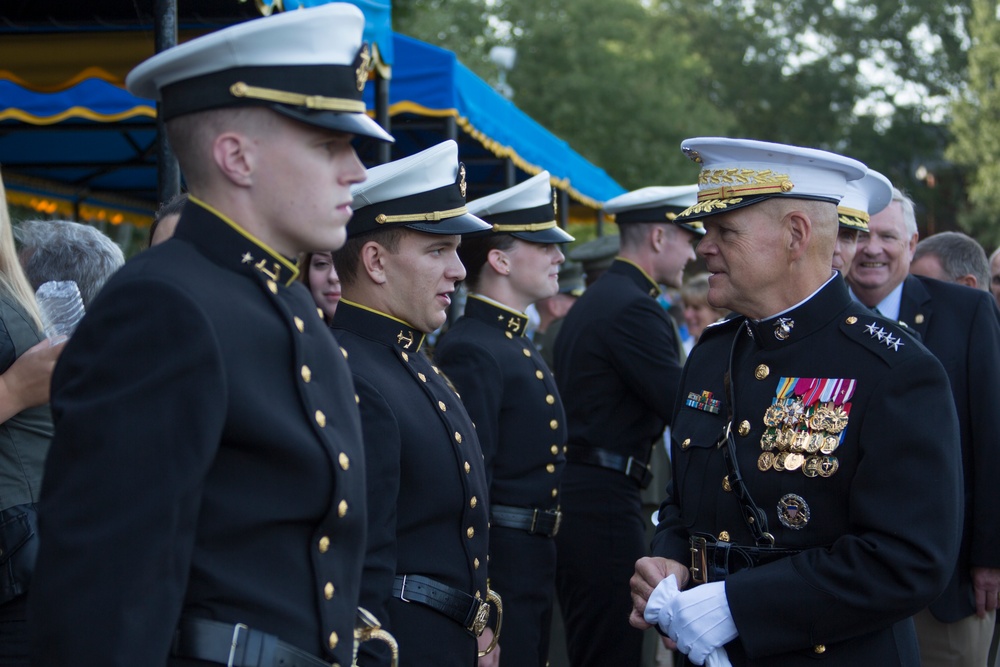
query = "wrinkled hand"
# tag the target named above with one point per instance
(986, 583)
(26, 383)
(649, 572)
(491, 659)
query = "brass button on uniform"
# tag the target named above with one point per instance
(357, 399)
(762, 372)
(852, 320)
(471, 532)
(526, 351)
(406, 357)
(555, 450)
(299, 324)
(539, 374)
(324, 544)
(473, 501)
(554, 424)
(436, 369)
(744, 427)
(508, 335)
(819, 648)
(442, 406)
(344, 461)
(555, 492)
(273, 286)
(328, 591)
(724, 536)
(686, 443)
(475, 563)
(550, 399)
(306, 374)
(467, 467)
(423, 378)
(550, 467)
(319, 311)
(342, 509)
(333, 640)
(458, 437)
(725, 484)
(343, 351)
(320, 418)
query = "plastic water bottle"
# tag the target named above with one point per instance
(61, 307)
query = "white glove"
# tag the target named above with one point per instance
(700, 620)
(660, 611)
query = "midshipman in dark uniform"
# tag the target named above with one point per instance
(617, 368)
(428, 501)
(204, 498)
(816, 496)
(512, 398)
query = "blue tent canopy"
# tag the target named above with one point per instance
(89, 135)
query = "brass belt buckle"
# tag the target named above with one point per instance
(699, 560)
(367, 628)
(492, 597)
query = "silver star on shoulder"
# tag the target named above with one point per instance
(870, 329)
(889, 340)
(896, 343)
(881, 334)
(247, 258)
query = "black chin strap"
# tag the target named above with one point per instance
(753, 516)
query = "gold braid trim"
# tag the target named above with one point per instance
(853, 213)
(433, 216)
(708, 206)
(241, 89)
(533, 227)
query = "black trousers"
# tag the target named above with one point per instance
(601, 538)
(523, 571)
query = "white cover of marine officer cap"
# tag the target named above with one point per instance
(307, 64)
(425, 192)
(657, 203)
(740, 172)
(526, 211)
(865, 197)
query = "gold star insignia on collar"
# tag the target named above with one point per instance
(247, 258)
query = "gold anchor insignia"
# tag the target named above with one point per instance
(262, 267)
(555, 203)
(514, 324)
(364, 67)
(461, 179)
(247, 258)
(409, 339)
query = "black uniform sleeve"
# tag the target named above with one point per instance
(139, 402)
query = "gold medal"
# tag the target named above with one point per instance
(775, 415)
(800, 442)
(765, 461)
(793, 511)
(838, 420)
(815, 442)
(785, 438)
(811, 467)
(769, 440)
(828, 465)
(779, 461)
(830, 443)
(794, 461)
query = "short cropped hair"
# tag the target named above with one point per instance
(959, 255)
(64, 250)
(348, 258)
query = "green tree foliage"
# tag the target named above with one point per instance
(976, 126)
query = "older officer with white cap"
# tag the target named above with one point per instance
(617, 366)
(512, 398)
(816, 498)
(864, 198)
(204, 496)
(428, 500)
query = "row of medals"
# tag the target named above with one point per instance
(800, 437)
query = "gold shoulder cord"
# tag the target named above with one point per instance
(367, 628)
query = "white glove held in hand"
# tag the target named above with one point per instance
(679, 616)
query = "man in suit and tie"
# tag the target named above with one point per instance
(961, 327)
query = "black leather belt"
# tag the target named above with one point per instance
(236, 645)
(631, 466)
(535, 521)
(713, 560)
(468, 611)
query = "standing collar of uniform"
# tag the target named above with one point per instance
(803, 319)
(377, 326)
(496, 314)
(629, 268)
(232, 246)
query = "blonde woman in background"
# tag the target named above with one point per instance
(26, 361)
(698, 312)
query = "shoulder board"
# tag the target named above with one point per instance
(728, 323)
(892, 341)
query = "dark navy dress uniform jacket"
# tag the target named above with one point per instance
(427, 492)
(207, 461)
(883, 528)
